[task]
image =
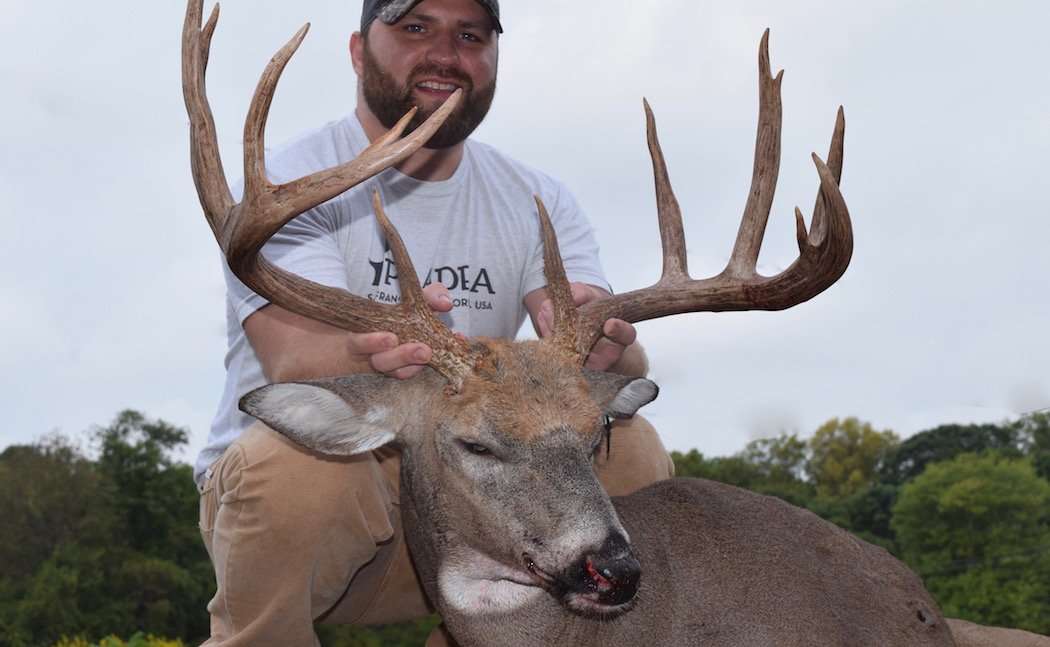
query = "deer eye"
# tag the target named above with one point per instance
(475, 448)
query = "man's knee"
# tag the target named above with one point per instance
(633, 458)
(297, 491)
(292, 525)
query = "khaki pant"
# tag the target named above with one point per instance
(296, 536)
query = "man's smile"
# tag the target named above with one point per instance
(437, 88)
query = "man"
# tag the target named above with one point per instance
(297, 537)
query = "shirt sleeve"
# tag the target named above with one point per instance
(576, 241)
(309, 246)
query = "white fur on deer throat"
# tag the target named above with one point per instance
(475, 584)
(331, 424)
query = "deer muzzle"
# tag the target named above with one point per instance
(604, 582)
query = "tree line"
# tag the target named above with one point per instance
(102, 541)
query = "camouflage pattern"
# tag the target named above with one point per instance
(390, 11)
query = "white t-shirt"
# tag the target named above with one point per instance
(477, 232)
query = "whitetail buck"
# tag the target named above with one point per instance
(515, 540)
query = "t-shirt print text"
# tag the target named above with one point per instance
(470, 287)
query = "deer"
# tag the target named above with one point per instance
(514, 538)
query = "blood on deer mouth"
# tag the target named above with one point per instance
(601, 584)
(590, 604)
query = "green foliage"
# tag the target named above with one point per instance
(772, 466)
(780, 459)
(49, 495)
(977, 529)
(98, 547)
(137, 640)
(733, 470)
(1033, 432)
(152, 495)
(406, 634)
(845, 454)
(943, 443)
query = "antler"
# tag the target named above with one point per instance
(825, 249)
(242, 229)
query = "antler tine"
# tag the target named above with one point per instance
(276, 205)
(306, 193)
(407, 278)
(825, 250)
(558, 289)
(672, 236)
(210, 179)
(744, 260)
(451, 355)
(255, 182)
(243, 228)
(835, 166)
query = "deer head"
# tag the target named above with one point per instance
(497, 439)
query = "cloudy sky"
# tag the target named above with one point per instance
(110, 290)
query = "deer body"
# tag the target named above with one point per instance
(800, 581)
(507, 539)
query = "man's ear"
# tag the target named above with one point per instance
(357, 45)
(620, 396)
(338, 416)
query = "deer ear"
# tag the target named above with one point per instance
(339, 416)
(620, 396)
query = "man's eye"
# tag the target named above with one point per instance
(467, 36)
(414, 28)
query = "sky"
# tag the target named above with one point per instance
(111, 294)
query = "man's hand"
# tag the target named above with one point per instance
(618, 334)
(385, 354)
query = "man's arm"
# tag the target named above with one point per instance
(618, 351)
(291, 347)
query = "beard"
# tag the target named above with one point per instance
(389, 100)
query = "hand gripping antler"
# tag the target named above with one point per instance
(825, 249)
(242, 229)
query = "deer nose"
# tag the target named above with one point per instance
(611, 574)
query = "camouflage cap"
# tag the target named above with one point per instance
(390, 11)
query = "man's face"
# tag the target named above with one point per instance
(439, 46)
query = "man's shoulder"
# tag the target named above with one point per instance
(313, 150)
(497, 166)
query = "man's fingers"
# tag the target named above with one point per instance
(545, 319)
(607, 352)
(372, 342)
(407, 372)
(438, 297)
(620, 332)
(404, 356)
(582, 293)
(604, 355)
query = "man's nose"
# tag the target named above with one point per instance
(444, 50)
